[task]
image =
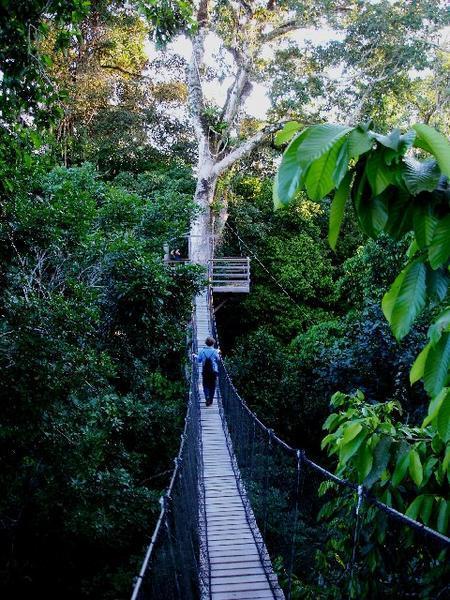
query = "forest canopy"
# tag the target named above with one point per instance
(125, 126)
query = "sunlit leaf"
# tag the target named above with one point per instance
(435, 143)
(337, 210)
(405, 299)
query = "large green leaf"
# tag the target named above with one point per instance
(414, 508)
(342, 160)
(405, 299)
(337, 210)
(421, 176)
(435, 143)
(435, 406)
(437, 365)
(400, 212)
(350, 432)
(381, 459)
(364, 461)
(284, 135)
(319, 140)
(348, 449)
(380, 176)
(426, 508)
(441, 325)
(289, 176)
(425, 222)
(418, 368)
(443, 419)
(319, 176)
(372, 213)
(415, 467)
(401, 467)
(443, 515)
(439, 251)
(389, 141)
(359, 142)
(437, 284)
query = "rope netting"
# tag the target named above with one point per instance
(175, 566)
(327, 537)
(323, 536)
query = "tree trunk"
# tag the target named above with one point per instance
(201, 235)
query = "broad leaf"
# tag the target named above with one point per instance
(319, 176)
(285, 134)
(319, 140)
(289, 176)
(435, 143)
(418, 368)
(443, 516)
(434, 407)
(342, 160)
(443, 419)
(437, 284)
(400, 469)
(415, 467)
(426, 508)
(421, 176)
(381, 458)
(348, 450)
(337, 210)
(372, 214)
(359, 142)
(350, 432)
(379, 174)
(389, 141)
(439, 250)
(400, 213)
(425, 222)
(405, 299)
(437, 365)
(364, 461)
(414, 508)
(441, 325)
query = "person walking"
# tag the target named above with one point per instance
(209, 359)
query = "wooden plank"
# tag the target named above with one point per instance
(240, 586)
(236, 569)
(241, 595)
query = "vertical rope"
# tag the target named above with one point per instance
(357, 525)
(294, 526)
(266, 480)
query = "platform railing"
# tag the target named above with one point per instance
(230, 274)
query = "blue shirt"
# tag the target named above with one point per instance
(211, 353)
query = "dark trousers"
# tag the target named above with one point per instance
(209, 388)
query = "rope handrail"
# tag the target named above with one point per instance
(173, 565)
(294, 451)
(340, 481)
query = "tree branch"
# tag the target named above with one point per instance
(124, 71)
(245, 148)
(281, 30)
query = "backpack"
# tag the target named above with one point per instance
(208, 368)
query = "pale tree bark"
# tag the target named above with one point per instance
(214, 158)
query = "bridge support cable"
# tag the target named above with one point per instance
(240, 567)
(326, 535)
(171, 567)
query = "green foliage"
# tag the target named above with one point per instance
(394, 194)
(402, 464)
(91, 371)
(168, 17)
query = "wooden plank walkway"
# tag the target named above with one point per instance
(236, 569)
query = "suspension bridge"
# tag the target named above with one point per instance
(248, 517)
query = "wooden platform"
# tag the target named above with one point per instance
(236, 569)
